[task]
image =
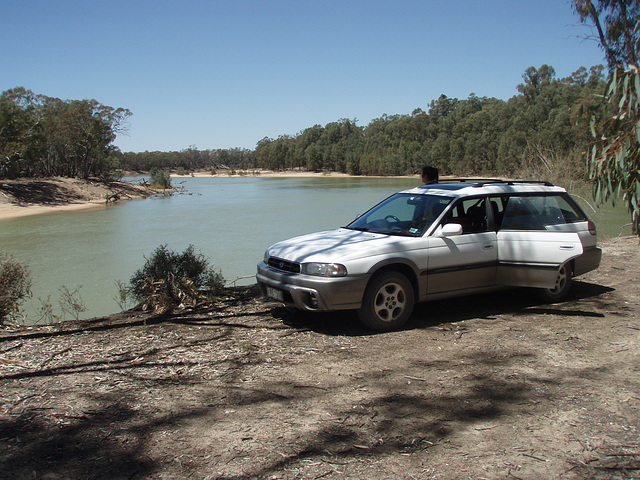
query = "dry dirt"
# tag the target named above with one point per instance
(488, 387)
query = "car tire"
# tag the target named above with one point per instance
(388, 302)
(564, 281)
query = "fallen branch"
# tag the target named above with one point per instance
(8, 361)
(52, 356)
(535, 458)
(114, 197)
(415, 378)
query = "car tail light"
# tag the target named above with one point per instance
(592, 227)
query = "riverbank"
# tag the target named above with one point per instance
(23, 197)
(497, 386)
(263, 173)
(285, 174)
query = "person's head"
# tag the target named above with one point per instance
(430, 174)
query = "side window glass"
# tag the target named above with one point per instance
(471, 214)
(520, 213)
(548, 210)
(569, 210)
(541, 212)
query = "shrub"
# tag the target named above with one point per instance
(160, 179)
(15, 286)
(169, 279)
(71, 302)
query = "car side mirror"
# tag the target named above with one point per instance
(451, 230)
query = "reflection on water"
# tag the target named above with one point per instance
(229, 220)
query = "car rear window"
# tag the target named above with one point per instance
(537, 212)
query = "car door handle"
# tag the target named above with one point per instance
(487, 246)
(567, 247)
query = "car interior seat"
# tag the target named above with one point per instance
(477, 216)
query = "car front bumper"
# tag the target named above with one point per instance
(312, 293)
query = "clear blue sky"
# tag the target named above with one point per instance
(226, 73)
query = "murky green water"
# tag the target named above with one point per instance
(230, 220)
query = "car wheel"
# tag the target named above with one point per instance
(562, 286)
(387, 303)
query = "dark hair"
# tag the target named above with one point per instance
(431, 173)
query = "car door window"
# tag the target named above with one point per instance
(539, 212)
(520, 213)
(471, 214)
(467, 261)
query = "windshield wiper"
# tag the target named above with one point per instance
(360, 229)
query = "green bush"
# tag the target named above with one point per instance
(160, 179)
(15, 286)
(169, 279)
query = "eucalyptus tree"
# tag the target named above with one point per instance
(44, 136)
(614, 159)
(615, 24)
(20, 117)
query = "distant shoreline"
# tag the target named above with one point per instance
(70, 195)
(286, 174)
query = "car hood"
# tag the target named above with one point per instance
(340, 245)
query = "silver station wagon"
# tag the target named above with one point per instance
(441, 240)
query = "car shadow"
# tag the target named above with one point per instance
(450, 311)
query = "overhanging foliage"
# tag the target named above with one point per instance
(614, 161)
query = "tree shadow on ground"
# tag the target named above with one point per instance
(115, 437)
(109, 442)
(40, 193)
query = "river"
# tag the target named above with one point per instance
(230, 220)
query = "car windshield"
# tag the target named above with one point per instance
(402, 214)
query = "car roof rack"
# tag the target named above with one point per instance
(479, 182)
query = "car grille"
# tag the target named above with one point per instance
(284, 265)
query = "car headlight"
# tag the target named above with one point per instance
(266, 257)
(324, 269)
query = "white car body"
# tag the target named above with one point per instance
(436, 241)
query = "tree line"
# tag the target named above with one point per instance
(540, 131)
(189, 159)
(41, 136)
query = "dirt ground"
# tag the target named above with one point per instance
(488, 387)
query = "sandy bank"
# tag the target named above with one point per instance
(9, 211)
(284, 174)
(24, 197)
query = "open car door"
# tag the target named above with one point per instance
(533, 258)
